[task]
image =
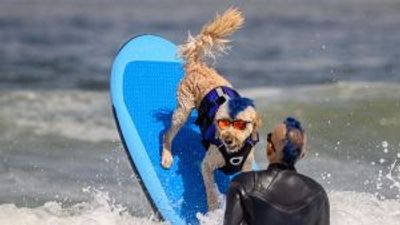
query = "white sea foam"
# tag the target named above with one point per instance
(347, 208)
(102, 210)
(365, 209)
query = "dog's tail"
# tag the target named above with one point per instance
(212, 38)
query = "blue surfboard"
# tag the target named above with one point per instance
(144, 79)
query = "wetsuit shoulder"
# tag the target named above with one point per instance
(313, 185)
(290, 191)
(244, 177)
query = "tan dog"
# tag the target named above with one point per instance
(236, 119)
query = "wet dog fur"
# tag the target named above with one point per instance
(200, 79)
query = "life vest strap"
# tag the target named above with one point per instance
(234, 161)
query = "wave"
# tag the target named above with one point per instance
(347, 208)
(81, 115)
(87, 116)
(101, 210)
(344, 90)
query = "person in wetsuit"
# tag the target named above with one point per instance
(278, 195)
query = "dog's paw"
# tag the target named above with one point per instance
(166, 159)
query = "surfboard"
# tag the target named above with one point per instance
(144, 79)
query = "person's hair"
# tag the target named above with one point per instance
(294, 141)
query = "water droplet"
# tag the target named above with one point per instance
(385, 144)
(382, 160)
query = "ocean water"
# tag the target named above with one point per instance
(334, 65)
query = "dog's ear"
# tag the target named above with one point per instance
(257, 123)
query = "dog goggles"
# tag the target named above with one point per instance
(237, 124)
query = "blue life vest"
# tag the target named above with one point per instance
(205, 120)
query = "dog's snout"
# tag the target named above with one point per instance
(228, 140)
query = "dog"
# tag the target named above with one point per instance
(229, 122)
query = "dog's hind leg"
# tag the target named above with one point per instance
(211, 162)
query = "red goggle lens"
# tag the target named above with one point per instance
(237, 124)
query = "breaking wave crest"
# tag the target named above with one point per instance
(100, 210)
(347, 208)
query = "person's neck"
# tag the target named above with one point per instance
(280, 165)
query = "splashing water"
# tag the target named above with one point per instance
(347, 208)
(101, 210)
(394, 176)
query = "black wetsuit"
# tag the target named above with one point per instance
(276, 196)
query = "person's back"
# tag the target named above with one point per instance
(279, 195)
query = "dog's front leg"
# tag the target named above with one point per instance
(212, 161)
(179, 118)
(248, 164)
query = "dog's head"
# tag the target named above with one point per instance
(236, 120)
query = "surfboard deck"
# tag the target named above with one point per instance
(144, 79)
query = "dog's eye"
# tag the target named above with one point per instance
(240, 124)
(224, 123)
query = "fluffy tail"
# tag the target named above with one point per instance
(212, 38)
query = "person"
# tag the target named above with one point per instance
(279, 194)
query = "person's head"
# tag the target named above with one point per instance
(286, 144)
